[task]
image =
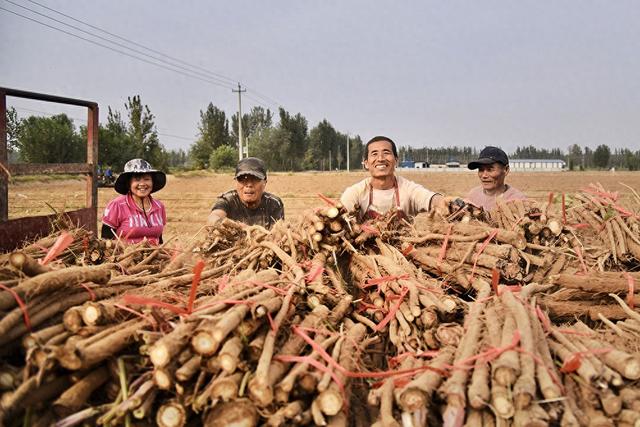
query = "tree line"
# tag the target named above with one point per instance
(576, 157)
(283, 140)
(285, 145)
(55, 139)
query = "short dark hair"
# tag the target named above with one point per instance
(380, 138)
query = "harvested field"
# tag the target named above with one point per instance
(189, 198)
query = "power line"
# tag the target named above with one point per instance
(219, 82)
(177, 137)
(208, 73)
(133, 42)
(116, 50)
(265, 97)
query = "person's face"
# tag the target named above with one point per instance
(492, 176)
(250, 189)
(380, 159)
(141, 185)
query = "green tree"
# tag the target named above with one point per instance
(50, 140)
(297, 129)
(322, 144)
(601, 156)
(13, 130)
(224, 156)
(575, 158)
(114, 142)
(356, 152)
(214, 132)
(177, 158)
(257, 120)
(272, 145)
(143, 133)
(631, 160)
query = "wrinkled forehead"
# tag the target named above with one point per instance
(381, 145)
(491, 166)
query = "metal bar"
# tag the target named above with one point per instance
(15, 232)
(4, 161)
(49, 98)
(50, 169)
(92, 155)
(25, 228)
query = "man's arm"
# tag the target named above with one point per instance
(438, 204)
(215, 216)
(350, 198)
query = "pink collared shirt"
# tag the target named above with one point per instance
(478, 198)
(132, 223)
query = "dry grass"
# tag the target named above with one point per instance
(189, 197)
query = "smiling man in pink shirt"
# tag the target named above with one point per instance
(493, 168)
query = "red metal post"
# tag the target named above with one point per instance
(92, 160)
(4, 160)
(15, 231)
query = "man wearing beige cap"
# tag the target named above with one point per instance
(249, 203)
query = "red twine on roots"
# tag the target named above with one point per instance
(381, 374)
(197, 272)
(138, 300)
(275, 289)
(632, 289)
(149, 319)
(272, 324)
(406, 251)
(21, 304)
(581, 258)
(603, 194)
(62, 242)
(392, 311)
(222, 282)
(384, 279)
(482, 247)
(490, 354)
(92, 295)
(396, 360)
(574, 362)
(327, 200)
(315, 272)
(544, 319)
(369, 229)
(495, 279)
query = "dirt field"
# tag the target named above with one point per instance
(189, 198)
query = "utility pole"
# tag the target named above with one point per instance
(347, 153)
(240, 90)
(330, 161)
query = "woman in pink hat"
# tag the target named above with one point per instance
(135, 215)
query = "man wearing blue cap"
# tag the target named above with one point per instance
(249, 203)
(493, 168)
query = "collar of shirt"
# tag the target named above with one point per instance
(132, 204)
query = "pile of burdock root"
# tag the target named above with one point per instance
(524, 316)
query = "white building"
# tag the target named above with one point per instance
(542, 165)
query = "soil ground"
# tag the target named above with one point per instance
(189, 197)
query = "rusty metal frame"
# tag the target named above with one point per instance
(13, 232)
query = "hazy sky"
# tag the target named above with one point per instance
(426, 73)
